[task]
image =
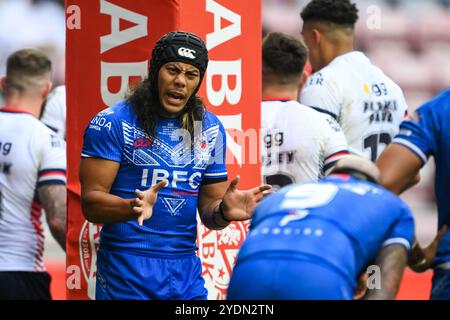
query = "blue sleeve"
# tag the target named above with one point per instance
(402, 231)
(103, 137)
(216, 171)
(416, 134)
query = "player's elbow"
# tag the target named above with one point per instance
(398, 186)
(57, 225)
(88, 208)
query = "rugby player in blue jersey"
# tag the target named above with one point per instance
(148, 164)
(425, 134)
(314, 240)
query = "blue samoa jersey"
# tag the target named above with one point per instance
(115, 134)
(427, 133)
(340, 223)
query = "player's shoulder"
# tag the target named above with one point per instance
(210, 120)
(378, 73)
(387, 195)
(119, 111)
(26, 122)
(326, 76)
(59, 94)
(57, 99)
(37, 128)
(439, 105)
(319, 119)
(37, 132)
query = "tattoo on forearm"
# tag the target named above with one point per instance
(392, 262)
(53, 199)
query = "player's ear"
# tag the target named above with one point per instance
(303, 79)
(317, 36)
(46, 89)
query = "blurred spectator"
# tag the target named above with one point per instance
(34, 23)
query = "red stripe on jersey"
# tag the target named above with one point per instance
(11, 110)
(35, 217)
(48, 173)
(338, 154)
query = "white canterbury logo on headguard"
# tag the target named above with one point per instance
(185, 52)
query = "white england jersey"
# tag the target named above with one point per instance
(54, 115)
(31, 155)
(298, 143)
(367, 104)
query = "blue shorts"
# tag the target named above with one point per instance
(128, 276)
(441, 285)
(264, 278)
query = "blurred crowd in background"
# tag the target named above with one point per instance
(37, 24)
(408, 39)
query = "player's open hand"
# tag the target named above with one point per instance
(238, 204)
(145, 200)
(421, 258)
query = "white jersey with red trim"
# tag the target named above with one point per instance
(31, 155)
(54, 115)
(298, 143)
(368, 105)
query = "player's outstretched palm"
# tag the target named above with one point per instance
(421, 259)
(145, 200)
(238, 204)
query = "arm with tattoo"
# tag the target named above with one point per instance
(392, 262)
(53, 198)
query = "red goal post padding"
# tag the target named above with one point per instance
(109, 43)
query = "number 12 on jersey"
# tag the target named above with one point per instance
(372, 142)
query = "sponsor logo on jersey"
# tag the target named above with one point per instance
(366, 89)
(381, 111)
(142, 143)
(187, 53)
(405, 132)
(316, 79)
(100, 122)
(334, 125)
(55, 141)
(174, 204)
(105, 112)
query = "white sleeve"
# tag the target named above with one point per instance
(52, 164)
(336, 146)
(321, 92)
(54, 115)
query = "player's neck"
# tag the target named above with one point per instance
(337, 51)
(281, 92)
(27, 104)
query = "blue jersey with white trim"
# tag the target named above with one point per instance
(426, 134)
(339, 222)
(115, 134)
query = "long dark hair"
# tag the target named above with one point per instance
(146, 106)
